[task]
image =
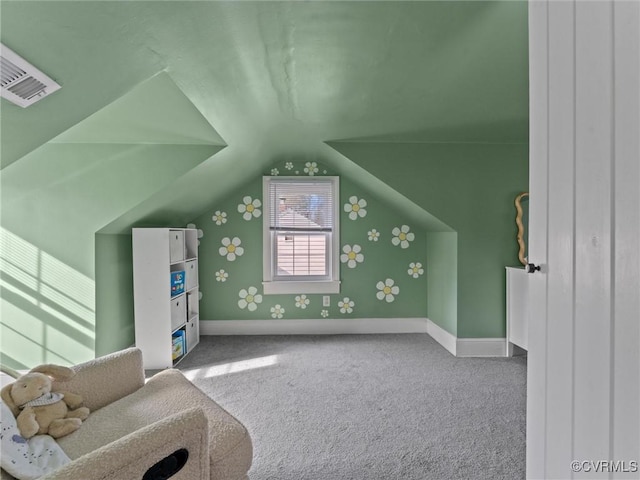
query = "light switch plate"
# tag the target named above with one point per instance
(326, 301)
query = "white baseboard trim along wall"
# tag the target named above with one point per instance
(481, 347)
(460, 347)
(444, 338)
(325, 326)
(467, 347)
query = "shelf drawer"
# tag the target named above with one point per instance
(176, 246)
(193, 333)
(178, 312)
(191, 269)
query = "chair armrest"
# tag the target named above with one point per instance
(131, 456)
(106, 379)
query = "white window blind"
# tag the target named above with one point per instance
(301, 221)
(301, 206)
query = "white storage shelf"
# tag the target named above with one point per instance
(159, 315)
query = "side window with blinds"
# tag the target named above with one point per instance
(301, 235)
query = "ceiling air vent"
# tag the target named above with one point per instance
(22, 83)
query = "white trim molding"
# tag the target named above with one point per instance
(307, 286)
(325, 326)
(481, 347)
(460, 347)
(443, 337)
(273, 284)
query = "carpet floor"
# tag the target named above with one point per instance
(367, 407)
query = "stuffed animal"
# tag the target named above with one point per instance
(37, 409)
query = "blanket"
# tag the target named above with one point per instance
(27, 459)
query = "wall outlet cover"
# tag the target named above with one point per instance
(326, 301)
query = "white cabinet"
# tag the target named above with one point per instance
(165, 290)
(517, 309)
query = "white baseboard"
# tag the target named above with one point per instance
(481, 347)
(460, 347)
(444, 338)
(325, 326)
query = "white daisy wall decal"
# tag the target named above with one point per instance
(311, 168)
(373, 235)
(387, 290)
(275, 172)
(250, 208)
(219, 217)
(415, 269)
(277, 311)
(199, 233)
(302, 301)
(231, 248)
(402, 236)
(221, 276)
(346, 305)
(355, 208)
(324, 313)
(249, 298)
(352, 255)
(288, 165)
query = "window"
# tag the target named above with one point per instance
(301, 238)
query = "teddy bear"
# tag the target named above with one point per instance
(37, 409)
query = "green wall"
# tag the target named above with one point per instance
(382, 260)
(53, 202)
(470, 187)
(114, 298)
(442, 280)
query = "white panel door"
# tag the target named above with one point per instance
(583, 400)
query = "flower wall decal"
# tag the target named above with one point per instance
(415, 269)
(250, 208)
(231, 248)
(221, 276)
(275, 172)
(387, 290)
(219, 217)
(402, 236)
(288, 166)
(373, 235)
(311, 168)
(200, 232)
(249, 298)
(352, 255)
(324, 313)
(355, 208)
(346, 305)
(277, 311)
(302, 301)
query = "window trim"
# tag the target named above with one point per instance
(325, 286)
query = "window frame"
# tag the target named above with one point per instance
(274, 286)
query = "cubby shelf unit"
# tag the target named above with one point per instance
(159, 314)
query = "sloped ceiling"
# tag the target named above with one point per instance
(274, 79)
(155, 112)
